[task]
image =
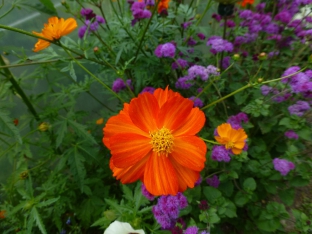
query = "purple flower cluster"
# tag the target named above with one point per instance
(214, 181)
(300, 82)
(278, 96)
(191, 230)
(92, 22)
(220, 153)
(218, 45)
(299, 108)
(165, 50)
(119, 84)
(146, 193)
(148, 89)
(291, 134)
(179, 64)
(236, 120)
(139, 12)
(196, 71)
(197, 102)
(283, 166)
(167, 209)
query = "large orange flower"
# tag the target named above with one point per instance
(232, 139)
(54, 30)
(153, 139)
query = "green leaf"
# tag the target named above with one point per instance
(298, 181)
(269, 225)
(230, 210)
(250, 184)
(36, 216)
(72, 72)
(287, 196)
(211, 193)
(305, 134)
(47, 202)
(241, 198)
(75, 161)
(127, 192)
(226, 188)
(212, 216)
(7, 127)
(81, 131)
(49, 6)
(60, 132)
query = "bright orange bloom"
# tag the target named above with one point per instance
(2, 214)
(232, 139)
(99, 121)
(163, 5)
(153, 139)
(245, 2)
(54, 30)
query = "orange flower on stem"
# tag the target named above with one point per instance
(54, 30)
(153, 139)
(232, 139)
(163, 5)
(245, 2)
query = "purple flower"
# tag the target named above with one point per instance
(198, 182)
(283, 17)
(165, 50)
(185, 25)
(183, 83)
(299, 108)
(119, 84)
(197, 102)
(226, 62)
(87, 13)
(82, 30)
(100, 19)
(236, 120)
(146, 193)
(291, 134)
(239, 40)
(191, 41)
(197, 70)
(139, 12)
(203, 205)
(201, 36)
(288, 72)
(148, 89)
(218, 45)
(220, 153)
(191, 230)
(179, 64)
(204, 232)
(283, 166)
(265, 90)
(216, 17)
(214, 181)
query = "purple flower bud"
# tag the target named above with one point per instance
(214, 181)
(283, 166)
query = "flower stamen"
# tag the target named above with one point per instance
(162, 141)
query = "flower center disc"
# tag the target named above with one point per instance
(162, 141)
(229, 145)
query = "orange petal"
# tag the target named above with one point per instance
(130, 174)
(239, 144)
(221, 140)
(190, 152)
(143, 112)
(128, 148)
(163, 95)
(192, 124)
(224, 130)
(68, 26)
(40, 45)
(160, 178)
(186, 177)
(236, 151)
(173, 113)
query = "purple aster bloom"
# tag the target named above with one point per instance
(191, 230)
(139, 12)
(214, 181)
(299, 108)
(198, 182)
(239, 40)
(183, 83)
(226, 62)
(281, 97)
(191, 42)
(185, 25)
(119, 84)
(273, 54)
(291, 134)
(220, 153)
(148, 89)
(201, 36)
(283, 166)
(265, 90)
(288, 72)
(246, 14)
(81, 31)
(87, 13)
(93, 26)
(203, 205)
(271, 28)
(218, 45)
(146, 193)
(212, 70)
(197, 102)
(284, 17)
(150, 3)
(198, 70)
(216, 17)
(230, 24)
(100, 19)
(204, 232)
(236, 120)
(254, 28)
(165, 50)
(260, 7)
(179, 64)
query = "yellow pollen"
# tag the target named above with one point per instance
(229, 145)
(162, 141)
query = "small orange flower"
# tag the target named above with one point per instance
(2, 214)
(163, 5)
(154, 139)
(54, 30)
(232, 139)
(99, 121)
(245, 2)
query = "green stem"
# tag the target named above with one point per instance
(218, 91)
(11, 9)
(19, 90)
(102, 12)
(209, 141)
(96, 78)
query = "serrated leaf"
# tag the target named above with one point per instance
(49, 6)
(75, 161)
(212, 194)
(62, 129)
(241, 198)
(36, 216)
(47, 202)
(7, 127)
(250, 184)
(72, 72)
(81, 131)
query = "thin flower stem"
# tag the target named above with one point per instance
(248, 86)
(218, 91)
(4, 14)
(96, 78)
(215, 173)
(209, 141)
(19, 90)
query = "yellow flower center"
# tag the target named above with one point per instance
(162, 141)
(229, 145)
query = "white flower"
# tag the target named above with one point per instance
(117, 227)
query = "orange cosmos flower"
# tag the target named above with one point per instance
(232, 139)
(153, 139)
(245, 2)
(54, 30)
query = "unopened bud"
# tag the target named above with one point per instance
(23, 175)
(260, 80)
(262, 56)
(120, 73)
(96, 49)
(197, 16)
(43, 127)
(236, 57)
